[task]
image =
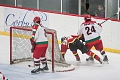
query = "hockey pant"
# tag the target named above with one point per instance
(98, 45)
(39, 54)
(78, 45)
(64, 49)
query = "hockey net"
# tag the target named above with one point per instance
(20, 49)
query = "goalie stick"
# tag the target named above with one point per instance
(110, 17)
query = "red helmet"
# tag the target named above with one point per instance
(87, 17)
(36, 20)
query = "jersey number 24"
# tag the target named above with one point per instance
(90, 30)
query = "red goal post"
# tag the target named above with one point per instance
(20, 48)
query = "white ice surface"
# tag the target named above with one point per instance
(83, 70)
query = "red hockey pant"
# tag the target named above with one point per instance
(40, 51)
(97, 44)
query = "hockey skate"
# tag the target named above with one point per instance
(44, 68)
(89, 59)
(105, 59)
(35, 70)
(101, 62)
(63, 55)
(77, 58)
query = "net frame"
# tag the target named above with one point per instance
(52, 33)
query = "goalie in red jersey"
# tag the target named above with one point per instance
(73, 43)
(39, 44)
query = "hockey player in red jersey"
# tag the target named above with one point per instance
(39, 44)
(73, 43)
(65, 46)
(91, 31)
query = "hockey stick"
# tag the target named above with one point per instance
(87, 6)
(110, 17)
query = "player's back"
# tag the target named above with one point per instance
(40, 35)
(91, 30)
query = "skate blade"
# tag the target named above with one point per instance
(90, 61)
(105, 62)
(35, 72)
(78, 61)
(44, 71)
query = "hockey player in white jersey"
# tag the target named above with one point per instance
(39, 44)
(91, 31)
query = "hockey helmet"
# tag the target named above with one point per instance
(87, 17)
(63, 38)
(37, 20)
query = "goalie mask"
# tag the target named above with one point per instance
(37, 20)
(87, 17)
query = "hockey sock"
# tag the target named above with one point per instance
(76, 55)
(63, 54)
(43, 61)
(93, 55)
(103, 53)
(36, 63)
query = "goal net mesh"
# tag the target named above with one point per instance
(20, 48)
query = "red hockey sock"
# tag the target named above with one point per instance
(93, 55)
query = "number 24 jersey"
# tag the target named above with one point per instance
(90, 30)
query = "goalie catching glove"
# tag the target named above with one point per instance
(33, 44)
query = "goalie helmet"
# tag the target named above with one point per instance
(37, 20)
(87, 17)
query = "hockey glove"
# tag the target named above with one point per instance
(82, 38)
(99, 24)
(33, 44)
